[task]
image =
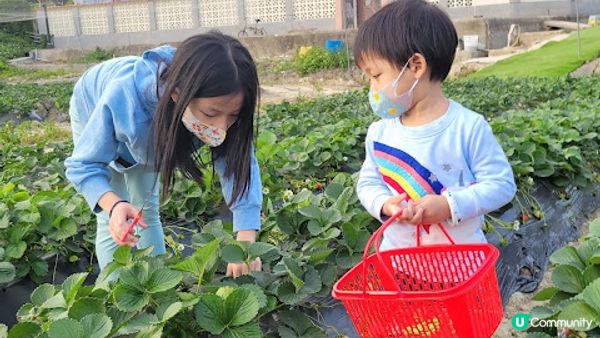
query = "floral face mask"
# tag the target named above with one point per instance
(212, 136)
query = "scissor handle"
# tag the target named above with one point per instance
(135, 221)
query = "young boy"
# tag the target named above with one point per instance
(428, 156)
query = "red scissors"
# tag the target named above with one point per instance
(135, 221)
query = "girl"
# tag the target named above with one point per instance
(136, 117)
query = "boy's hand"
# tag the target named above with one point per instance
(435, 209)
(409, 213)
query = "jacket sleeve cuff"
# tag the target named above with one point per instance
(456, 216)
(247, 218)
(92, 189)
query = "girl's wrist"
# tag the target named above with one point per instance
(246, 236)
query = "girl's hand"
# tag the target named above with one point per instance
(409, 213)
(119, 222)
(238, 269)
(435, 209)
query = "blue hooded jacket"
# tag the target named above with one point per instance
(115, 101)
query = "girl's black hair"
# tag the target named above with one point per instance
(405, 27)
(206, 65)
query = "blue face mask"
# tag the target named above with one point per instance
(387, 104)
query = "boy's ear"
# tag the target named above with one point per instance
(418, 65)
(175, 97)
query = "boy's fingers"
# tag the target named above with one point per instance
(229, 270)
(418, 218)
(142, 222)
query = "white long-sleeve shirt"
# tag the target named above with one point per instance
(456, 156)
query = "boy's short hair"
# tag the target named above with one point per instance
(405, 27)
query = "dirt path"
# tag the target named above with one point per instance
(522, 303)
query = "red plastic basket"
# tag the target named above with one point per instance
(442, 290)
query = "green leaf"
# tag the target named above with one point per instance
(137, 324)
(591, 295)
(311, 212)
(233, 253)
(331, 216)
(258, 292)
(168, 311)
(315, 227)
(334, 190)
(72, 284)
(543, 312)
(567, 255)
(328, 274)
(266, 138)
(129, 299)
(225, 291)
(319, 256)
(587, 248)
(25, 330)
(595, 227)
(312, 281)
(538, 335)
(260, 249)
(162, 280)
(298, 325)
(188, 299)
(4, 221)
(294, 271)
(203, 258)
(578, 311)
(590, 274)
(568, 279)
(136, 276)
(251, 330)
(97, 325)
(67, 228)
(243, 306)
(153, 331)
(302, 196)
(86, 306)
(209, 313)
(56, 301)
(15, 250)
(7, 272)
(286, 292)
(545, 294)
(123, 255)
(65, 328)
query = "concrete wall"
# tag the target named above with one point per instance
(528, 9)
(465, 9)
(163, 21)
(259, 47)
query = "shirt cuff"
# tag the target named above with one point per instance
(92, 189)
(456, 216)
(377, 206)
(246, 218)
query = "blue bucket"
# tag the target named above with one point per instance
(334, 45)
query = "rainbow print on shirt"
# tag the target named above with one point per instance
(405, 174)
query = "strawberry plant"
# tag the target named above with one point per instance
(576, 279)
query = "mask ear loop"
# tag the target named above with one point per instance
(394, 84)
(412, 88)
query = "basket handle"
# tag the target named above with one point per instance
(376, 237)
(375, 240)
